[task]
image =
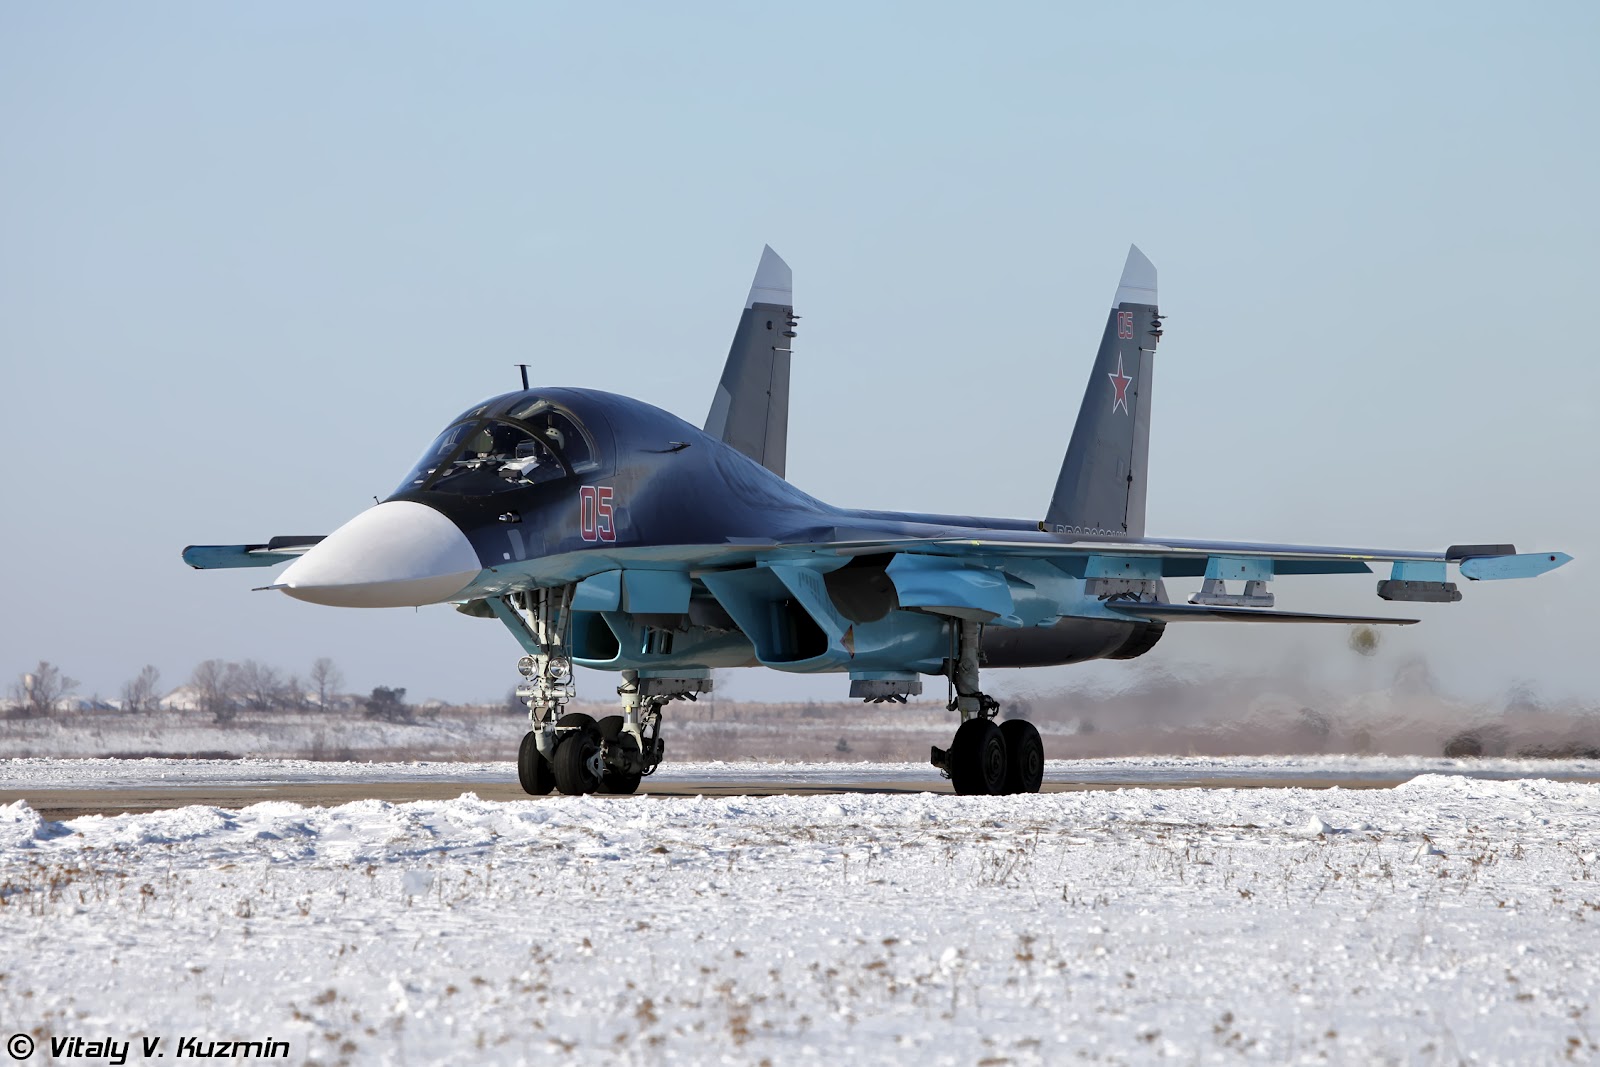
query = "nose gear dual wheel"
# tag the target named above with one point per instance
(576, 754)
(533, 770)
(572, 752)
(615, 781)
(542, 623)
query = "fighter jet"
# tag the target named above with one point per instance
(605, 532)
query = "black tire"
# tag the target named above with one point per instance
(614, 781)
(978, 759)
(618, 783)
(577, 718)
(533, 770)
(1024, 756)
(572, 760)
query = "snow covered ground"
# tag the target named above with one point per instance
(1448, 919)
(47, 773)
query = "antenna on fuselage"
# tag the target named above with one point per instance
(523, 367)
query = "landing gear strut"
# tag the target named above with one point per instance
(616, 753)
(541, 622)
(985, 758)
(570, 751)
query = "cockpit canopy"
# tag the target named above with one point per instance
(532, 442)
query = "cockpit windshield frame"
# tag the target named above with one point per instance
(551, 441)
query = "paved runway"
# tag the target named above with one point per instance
(255, 781)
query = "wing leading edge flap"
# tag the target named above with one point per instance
(1208, 613)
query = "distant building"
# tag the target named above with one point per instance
(183, 698)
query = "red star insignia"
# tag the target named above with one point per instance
(1120, 382)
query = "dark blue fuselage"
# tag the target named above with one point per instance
(654, 493)
(671, 485)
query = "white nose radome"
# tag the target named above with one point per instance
(398, 554)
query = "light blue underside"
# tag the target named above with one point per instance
(1526, 565)
(1418, 572)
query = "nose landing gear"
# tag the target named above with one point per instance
(541, 620)
(615, 754)
(570, 751)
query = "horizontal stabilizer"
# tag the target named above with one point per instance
(220, 557)
(1208, 613)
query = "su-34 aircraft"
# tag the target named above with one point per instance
(608, 533)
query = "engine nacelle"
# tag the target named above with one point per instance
(1071, 640)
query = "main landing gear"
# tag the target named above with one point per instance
(985, 759)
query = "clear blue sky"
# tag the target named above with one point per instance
(253, 257)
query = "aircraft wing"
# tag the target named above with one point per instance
(1176, 559)
(1124, 575)
(277, 550)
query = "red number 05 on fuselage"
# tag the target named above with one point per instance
(595, 514)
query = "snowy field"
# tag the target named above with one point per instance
(176, 773)
(1446, 920)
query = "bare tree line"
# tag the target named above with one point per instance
(219, 687)
(223, 689)
(40, 691)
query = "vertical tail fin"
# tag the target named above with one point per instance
(750, 410)
(1100, 491)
